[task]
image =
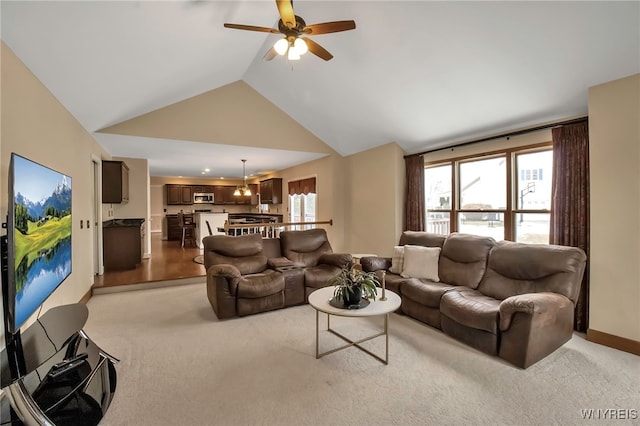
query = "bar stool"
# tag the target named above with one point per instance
(188, 226)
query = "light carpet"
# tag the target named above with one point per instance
(180, 365)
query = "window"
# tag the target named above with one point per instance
(483, 196)
(438, 198)
(504, 195)
(302, 202)
(533, 197)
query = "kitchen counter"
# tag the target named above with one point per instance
(262, 217)
(122, 223)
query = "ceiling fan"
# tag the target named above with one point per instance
(293, 28)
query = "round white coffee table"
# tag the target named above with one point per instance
(319, 299)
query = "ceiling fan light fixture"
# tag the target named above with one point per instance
(281, 46)
(300, 46)
(293, 55)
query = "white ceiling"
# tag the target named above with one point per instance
(420, 73)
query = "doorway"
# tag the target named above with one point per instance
(96, 215)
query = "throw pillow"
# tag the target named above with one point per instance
(397, 260)
(421, 262)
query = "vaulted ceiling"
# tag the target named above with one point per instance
(423, 74)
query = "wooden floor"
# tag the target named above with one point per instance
(168, 262)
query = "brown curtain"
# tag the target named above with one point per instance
(414, 209)
(303, 186)
(570, 201)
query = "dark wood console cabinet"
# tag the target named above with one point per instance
(115, 182)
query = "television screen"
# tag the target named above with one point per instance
(39, 235)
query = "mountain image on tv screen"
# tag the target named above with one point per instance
(42, 243)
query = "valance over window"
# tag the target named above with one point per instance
(303, 186)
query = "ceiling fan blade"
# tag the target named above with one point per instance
(318, 50)
(271, 53)
(252, 28)
(329, 27)
(285, 8)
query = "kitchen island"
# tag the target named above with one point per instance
(216, 221)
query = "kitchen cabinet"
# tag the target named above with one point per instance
(179, 194)
(271, 191)
(122, 244)
(223, 194)
(115, 182)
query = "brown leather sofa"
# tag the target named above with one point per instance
(503, 298)
(248, 274)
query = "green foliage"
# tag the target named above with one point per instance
(40, 238)
(22, 219)
(351, 277)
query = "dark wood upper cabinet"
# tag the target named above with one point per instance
(222, 194)
(179, 194)
(115, 182)
(271, 191)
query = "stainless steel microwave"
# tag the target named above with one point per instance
(202, 198)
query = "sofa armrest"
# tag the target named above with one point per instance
(534, 325)
(339, 260)
(375, 263)
(543, 307)
(222, 289)
(225, 270)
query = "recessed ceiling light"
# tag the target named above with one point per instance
(207, 170)
(203, 173)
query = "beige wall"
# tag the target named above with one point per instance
(228, 109)
(36, 126)
(331, 201)
(375, 187)
(614, 144)
(139, 203)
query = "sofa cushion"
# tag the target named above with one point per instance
(516, 268)
(471, 308)
(319, 276)
(261, 285)
(397, 260)
(244, 252)
(421, 262)
(463, 259)
(304, 248)
(421, 238)
(424, 292)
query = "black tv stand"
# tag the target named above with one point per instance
(67, 378)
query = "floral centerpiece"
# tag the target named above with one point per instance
(353, 284)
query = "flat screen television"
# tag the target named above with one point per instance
(38, 238)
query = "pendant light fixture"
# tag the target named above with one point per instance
(244, 191)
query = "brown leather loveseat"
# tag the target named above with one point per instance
(508, 299)
(248, 274)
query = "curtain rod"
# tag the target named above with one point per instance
(504, 135)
